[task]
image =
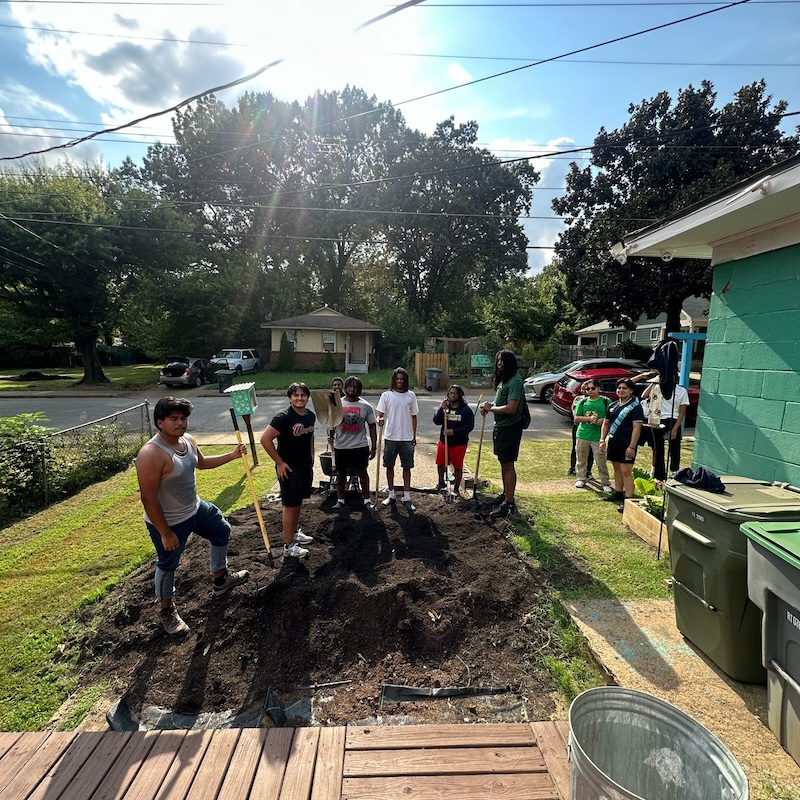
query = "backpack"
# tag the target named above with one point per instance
(526, 414)
(579, 407)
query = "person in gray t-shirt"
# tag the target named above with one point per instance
(351, 447)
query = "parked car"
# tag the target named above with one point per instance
(540, 386)
(239, 360)
(185, 371)
(566, 389)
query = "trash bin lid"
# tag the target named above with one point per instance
(432, 369)
(743, 498)
(780, 538)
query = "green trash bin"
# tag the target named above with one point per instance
(773, 582)
(708, 557)
(225, 378)
(433, 375)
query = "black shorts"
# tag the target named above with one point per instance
(297, 486)
(505, 441)
(353, 458)
(615, 451)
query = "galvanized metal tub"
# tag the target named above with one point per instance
(629, 745)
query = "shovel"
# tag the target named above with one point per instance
(253, 491)
(448, 494)
(378, 463)
(478, 459)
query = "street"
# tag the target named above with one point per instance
(211, 414)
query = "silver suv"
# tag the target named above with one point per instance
(244, 360)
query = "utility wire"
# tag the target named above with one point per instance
(220, 88)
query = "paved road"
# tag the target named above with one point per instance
(211, 414)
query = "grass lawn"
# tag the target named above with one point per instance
(69, 555)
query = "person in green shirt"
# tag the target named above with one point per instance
(507, 434)
(590, 411)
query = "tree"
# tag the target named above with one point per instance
(667, 157)
(454, 234)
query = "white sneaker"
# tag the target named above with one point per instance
(368, 505)
(388, 501)
(294, 550)
(172, 622)
(302, 538)
(339, 504)
(608, 489)
(580, 484)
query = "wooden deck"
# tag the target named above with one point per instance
(523, 761)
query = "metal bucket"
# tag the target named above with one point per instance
(326, 462)
(629, 745)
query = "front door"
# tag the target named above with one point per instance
(358, 348)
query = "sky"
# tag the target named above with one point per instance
(72, 67)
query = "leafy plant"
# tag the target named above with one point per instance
(650, 490)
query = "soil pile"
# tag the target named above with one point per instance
(435, 598)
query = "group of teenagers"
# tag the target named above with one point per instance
(612, 431)
(166, 466)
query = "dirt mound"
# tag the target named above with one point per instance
(437, 598)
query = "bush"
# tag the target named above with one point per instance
(285, 361)
(327, 364)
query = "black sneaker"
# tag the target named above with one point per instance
(570, 471)
(503, 510)
(614, 497)
(224, 584)
(440, 486)
(496, 501)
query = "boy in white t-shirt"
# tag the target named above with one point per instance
(397, 412)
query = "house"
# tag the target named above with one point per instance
(749, 414)
(648, 332)
(351, 342)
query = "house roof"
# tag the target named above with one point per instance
(763, 200)
(326, 319)
(695, 309)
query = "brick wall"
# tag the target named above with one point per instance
(749, 415)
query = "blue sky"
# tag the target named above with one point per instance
(68, 68)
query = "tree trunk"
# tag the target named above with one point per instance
(92, 371)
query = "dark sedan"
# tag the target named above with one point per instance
(185, 371)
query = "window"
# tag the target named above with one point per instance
(603, 338)
(653, 334)
(292, 337)
(632, 336)
(328, 342)
(619, 337)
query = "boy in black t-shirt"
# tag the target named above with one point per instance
(293, 430)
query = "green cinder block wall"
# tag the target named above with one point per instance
(749, 416)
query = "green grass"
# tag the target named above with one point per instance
(67, 556)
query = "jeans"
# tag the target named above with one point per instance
(209, 523)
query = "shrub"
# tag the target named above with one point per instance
(327, 364)
(285, 361)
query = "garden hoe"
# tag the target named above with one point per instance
(448, 487)
(253, 491)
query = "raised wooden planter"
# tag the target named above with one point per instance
(645, 525)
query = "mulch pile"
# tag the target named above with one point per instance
(437, 598)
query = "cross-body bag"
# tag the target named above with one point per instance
(622, 414)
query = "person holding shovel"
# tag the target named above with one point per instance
(457, 421)
(350, 447)
(293, 430)
(165, 467)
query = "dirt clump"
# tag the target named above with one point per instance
(434, 598)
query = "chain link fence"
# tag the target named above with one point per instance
(37, 470)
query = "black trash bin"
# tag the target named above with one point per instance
(708, 556)
(225, 378)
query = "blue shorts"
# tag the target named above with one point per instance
(392, 449)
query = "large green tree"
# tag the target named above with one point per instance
(668, 156)
(454, 233)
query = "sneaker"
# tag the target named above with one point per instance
(337, 504)
(580, 484)
(570, 471)
(230, 579)
(608, 489)
(409, 506)
(368, 505)
(387, 501)
(614, 497)
(503, 510)
(590, 477)
(501, 498)
(441, 485)
(302, 538)
(172, 622)
(621, 508)
(294, 550)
